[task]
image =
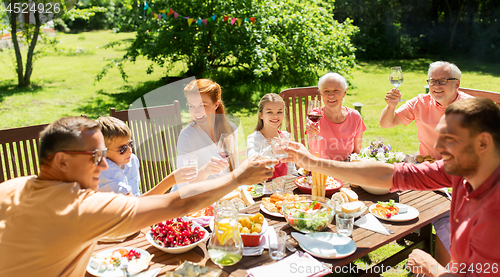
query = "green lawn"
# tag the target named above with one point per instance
(63, 84)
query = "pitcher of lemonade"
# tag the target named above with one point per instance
(225, 247)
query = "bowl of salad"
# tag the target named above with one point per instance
(309, 215)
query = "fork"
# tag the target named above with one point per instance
(124, 268)
(290, 247)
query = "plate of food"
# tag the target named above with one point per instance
(241, 198)
(392, 211)
(203, 216)
(108, 263)
(255, 190)
(304, 183)
(346, 201)
(273, 205)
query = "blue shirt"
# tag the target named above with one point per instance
(123, 181)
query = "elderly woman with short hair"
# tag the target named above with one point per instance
(341, 127)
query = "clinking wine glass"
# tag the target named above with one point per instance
(266, 151)
(225, 147)
(396, 77)
(314, 114)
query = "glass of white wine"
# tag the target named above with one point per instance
(396, 77)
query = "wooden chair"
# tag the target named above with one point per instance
(296, 103)
(155, 131)
(495, 96)
(19, 151)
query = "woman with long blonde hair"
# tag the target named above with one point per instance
(201, 136)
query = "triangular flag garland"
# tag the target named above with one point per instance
(163, 14)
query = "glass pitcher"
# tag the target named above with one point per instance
(225, 247)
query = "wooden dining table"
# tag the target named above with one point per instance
(430, 204)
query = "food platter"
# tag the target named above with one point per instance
(116, 272)
(276, 214)
(305, 188)
(412, 213)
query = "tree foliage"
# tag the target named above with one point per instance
(402, 29)
(290, 40)
(24, 25)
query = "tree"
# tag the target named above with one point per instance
(26, 18)
(290, 40)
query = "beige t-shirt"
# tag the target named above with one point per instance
(50, 228)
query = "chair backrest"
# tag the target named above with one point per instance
(155, 131)
(495, 96)
(296, 103)
(19, 151)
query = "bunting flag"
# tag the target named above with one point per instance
(163, 14)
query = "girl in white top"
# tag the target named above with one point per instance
(201, 136)
(271, 112)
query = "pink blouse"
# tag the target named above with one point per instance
(338, 139)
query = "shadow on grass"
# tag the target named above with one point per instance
(9, 88)
(103, 101)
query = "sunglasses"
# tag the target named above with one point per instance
(97, 154)
(123, 149)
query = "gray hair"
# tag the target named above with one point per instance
(332, 76)
(455, 72)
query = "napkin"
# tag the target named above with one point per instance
(297, 265)
(370, 222)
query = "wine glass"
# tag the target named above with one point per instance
(314, 114)
(225, 146)
(396, 77)
(266, 151)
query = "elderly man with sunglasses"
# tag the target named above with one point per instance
(426, 110)
(50, 223)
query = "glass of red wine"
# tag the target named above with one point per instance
(314, 114)
(225, 147)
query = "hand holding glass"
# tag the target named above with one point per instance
(266, 151)
(279, 146)
(225, 146)
(191, 160)
(314, 114)
(396, 77)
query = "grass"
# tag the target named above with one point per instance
(63, 84)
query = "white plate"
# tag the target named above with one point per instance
(262, 208)
(246, 186)
(411, 214)
(344, 246)
(358, 213)
(116, 272)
